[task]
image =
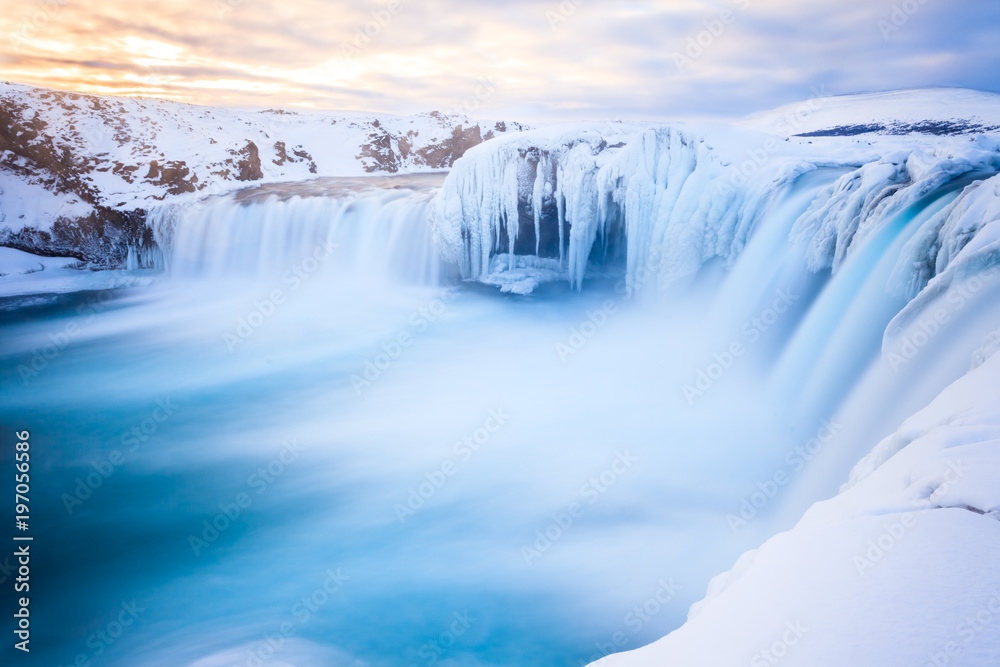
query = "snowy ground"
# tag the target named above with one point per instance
(25, 274)
(931, 110)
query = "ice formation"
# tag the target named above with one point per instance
(659, 197)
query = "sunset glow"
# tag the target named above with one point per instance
(574, 59)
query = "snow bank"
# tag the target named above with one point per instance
(16, 262)
(23, 274)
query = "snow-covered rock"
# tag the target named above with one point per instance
(958, 245)
(524, 195)
(862, 201)
(660, 198)
(23, 274)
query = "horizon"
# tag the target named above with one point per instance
(537, 63)
(554, 121)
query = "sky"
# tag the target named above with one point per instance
(539, 61)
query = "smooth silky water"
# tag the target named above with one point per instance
(310, 444)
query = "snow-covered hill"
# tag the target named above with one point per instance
(77, 172)
(937, 111)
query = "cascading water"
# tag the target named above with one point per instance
(843, 330)
(371, 230)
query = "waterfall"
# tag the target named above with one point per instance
(340, 228)
(824, 266)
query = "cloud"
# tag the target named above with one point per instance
(572, 59)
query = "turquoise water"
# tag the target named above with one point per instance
(145, 426)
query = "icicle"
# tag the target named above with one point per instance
(561, 213)
(510, 210)
(537, 198)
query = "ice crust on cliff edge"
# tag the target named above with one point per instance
(680, 195)
(660, 190)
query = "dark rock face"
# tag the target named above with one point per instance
(249, 166)
(377, 153)
(174, 177)
(304, 156)
(29, 150)
(100, 240)
(444, 154)
(282, 153)
(385, 151)
(299, 154)
(935, 127)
